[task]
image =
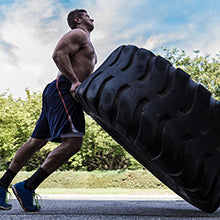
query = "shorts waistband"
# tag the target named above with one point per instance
(64, 79)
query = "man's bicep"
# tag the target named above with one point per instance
(66, 47)
(72, 42)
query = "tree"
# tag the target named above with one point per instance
(99, 151)
(17, 120)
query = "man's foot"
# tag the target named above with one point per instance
(3, 199)
(25, 197)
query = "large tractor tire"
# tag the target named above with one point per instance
(168, 122)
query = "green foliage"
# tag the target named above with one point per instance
(126, 179)
(99, 151)
(17, 121)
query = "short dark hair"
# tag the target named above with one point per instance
(77, 13)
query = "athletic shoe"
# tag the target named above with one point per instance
(26, 197)
(4, 205)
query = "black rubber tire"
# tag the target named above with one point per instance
(168, 122)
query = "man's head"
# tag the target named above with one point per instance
(79, 16)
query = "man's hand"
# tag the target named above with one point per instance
(73, 89)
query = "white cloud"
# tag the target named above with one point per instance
(31, 29)
(157, 41)
(112, 18)
(117, 22)
(28, 37)
(204, 37)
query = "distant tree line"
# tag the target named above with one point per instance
(99, 151)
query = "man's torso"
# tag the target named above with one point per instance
(83, 61)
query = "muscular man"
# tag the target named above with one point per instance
(62, 118)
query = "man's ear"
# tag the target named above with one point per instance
(77, 20)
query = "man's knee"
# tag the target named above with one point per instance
(72, 144)
(36, 143)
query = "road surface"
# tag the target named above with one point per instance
(95, 207)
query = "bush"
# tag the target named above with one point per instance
(126, 179)
(99, 150)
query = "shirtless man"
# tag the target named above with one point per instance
(62, 118)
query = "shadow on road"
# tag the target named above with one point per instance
(114, 209)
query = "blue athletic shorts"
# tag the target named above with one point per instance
(61, 115)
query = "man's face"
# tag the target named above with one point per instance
(86, 20)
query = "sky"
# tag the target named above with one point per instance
(30, 30)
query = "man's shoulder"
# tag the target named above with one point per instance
(77, 32)
(76, 35)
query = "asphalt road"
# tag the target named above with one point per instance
(95, 207)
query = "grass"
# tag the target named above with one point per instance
(98, 182)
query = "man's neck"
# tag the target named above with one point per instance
(84, 29)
